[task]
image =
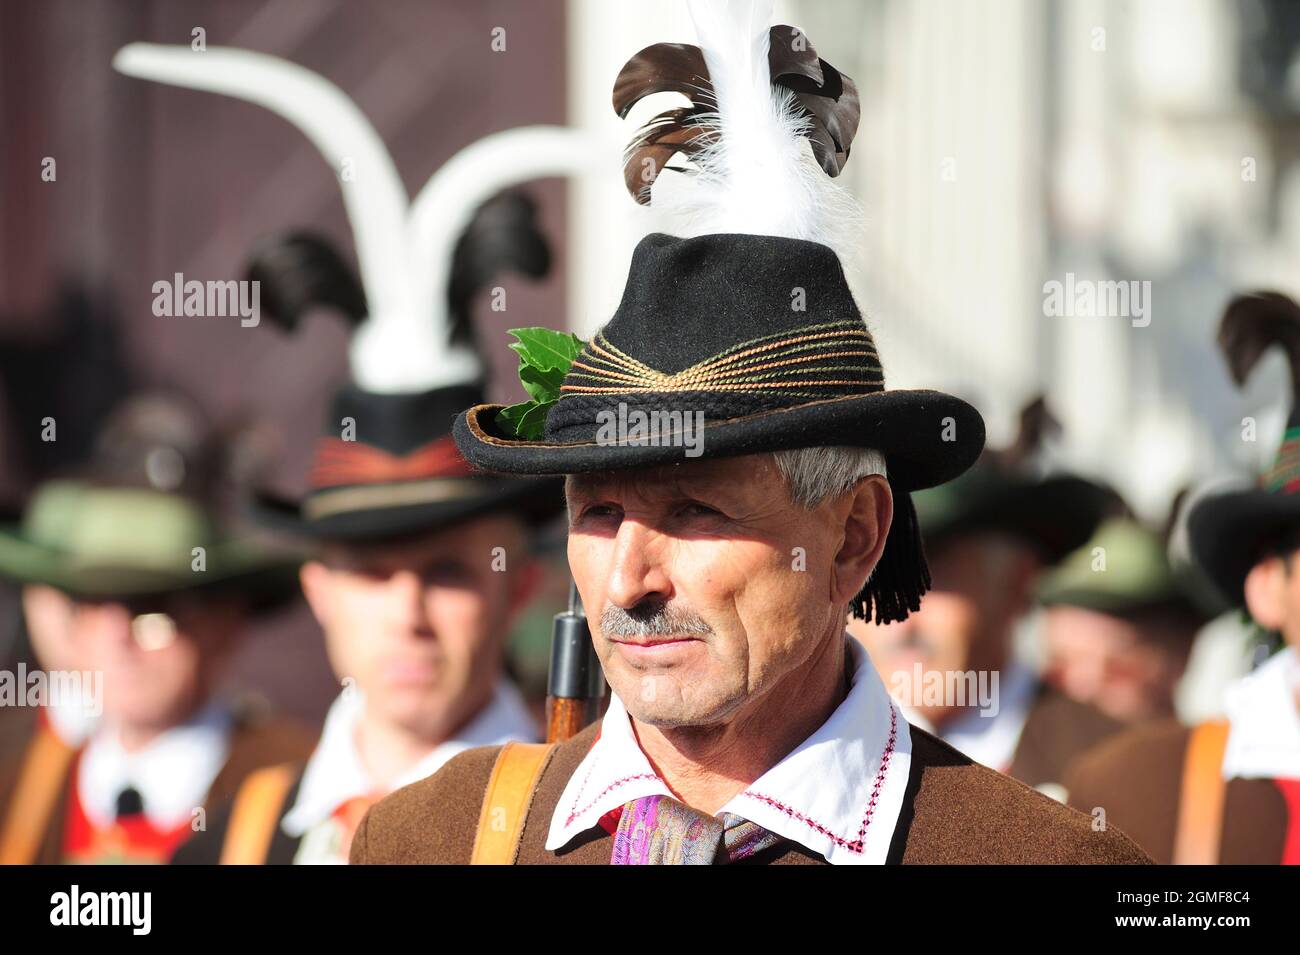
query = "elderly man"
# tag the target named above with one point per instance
(743, 724)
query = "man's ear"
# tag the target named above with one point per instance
(1266, 593)
(315, 580)
(866, 526)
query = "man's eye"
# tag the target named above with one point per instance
(599, 511)
(696, 509)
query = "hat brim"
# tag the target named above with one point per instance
(1226, 532)
(1057, 514)
(534, 502)
(231, 569)
(927, 438)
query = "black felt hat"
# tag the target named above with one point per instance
(706, 326)
(1230, 532)
(387, 467)
(1006, 493)
(706, 334)
(1055, 514)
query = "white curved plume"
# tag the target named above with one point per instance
(404, 248)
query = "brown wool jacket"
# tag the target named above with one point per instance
(1136, 778)
(955, 811)
(1058, 730)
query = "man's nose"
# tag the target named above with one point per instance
(406, 600)
(113, 623)
(636, 570)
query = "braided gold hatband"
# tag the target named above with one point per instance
(811, 358)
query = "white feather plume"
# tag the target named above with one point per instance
(404, 248)
(758, 175)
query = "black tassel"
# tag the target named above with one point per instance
(902, 575)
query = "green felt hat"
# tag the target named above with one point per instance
(106, 542)
(1123, 569)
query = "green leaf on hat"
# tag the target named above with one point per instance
(544, 359)
(528, 419)
(545, 348)
(542, 384)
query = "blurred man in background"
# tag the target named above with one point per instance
(156, 599)
(1119, 624)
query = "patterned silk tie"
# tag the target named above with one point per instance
(659, 830)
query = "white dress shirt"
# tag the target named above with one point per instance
(173, 773)
(335, 772)
(1264, 721)
(72, 720)
(820, 795)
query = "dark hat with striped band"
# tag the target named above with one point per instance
(705, 333)
(1231, 532)
(399, 473)
(705, 328)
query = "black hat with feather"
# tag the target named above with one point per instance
(387, 465)
(1231, 532)
(748, 321)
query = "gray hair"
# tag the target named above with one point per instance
(817, 474)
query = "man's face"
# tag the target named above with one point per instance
(980, 587)
(704, 584)
(420, 626)
(159, 660)
(1272, 590)
(1121, 667)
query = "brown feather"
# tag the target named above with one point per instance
(827, 99)
(1036, 423)
(661, 68)
(1254, 323)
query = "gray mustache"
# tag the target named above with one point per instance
(652, 620)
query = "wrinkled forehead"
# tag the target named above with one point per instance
(743, 476)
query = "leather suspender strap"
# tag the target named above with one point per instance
(1200, 803)
(43, 775)
(255, 814)
(505, 803)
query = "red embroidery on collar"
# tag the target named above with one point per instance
(858, 845)
(609, 821)
(574, 813)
